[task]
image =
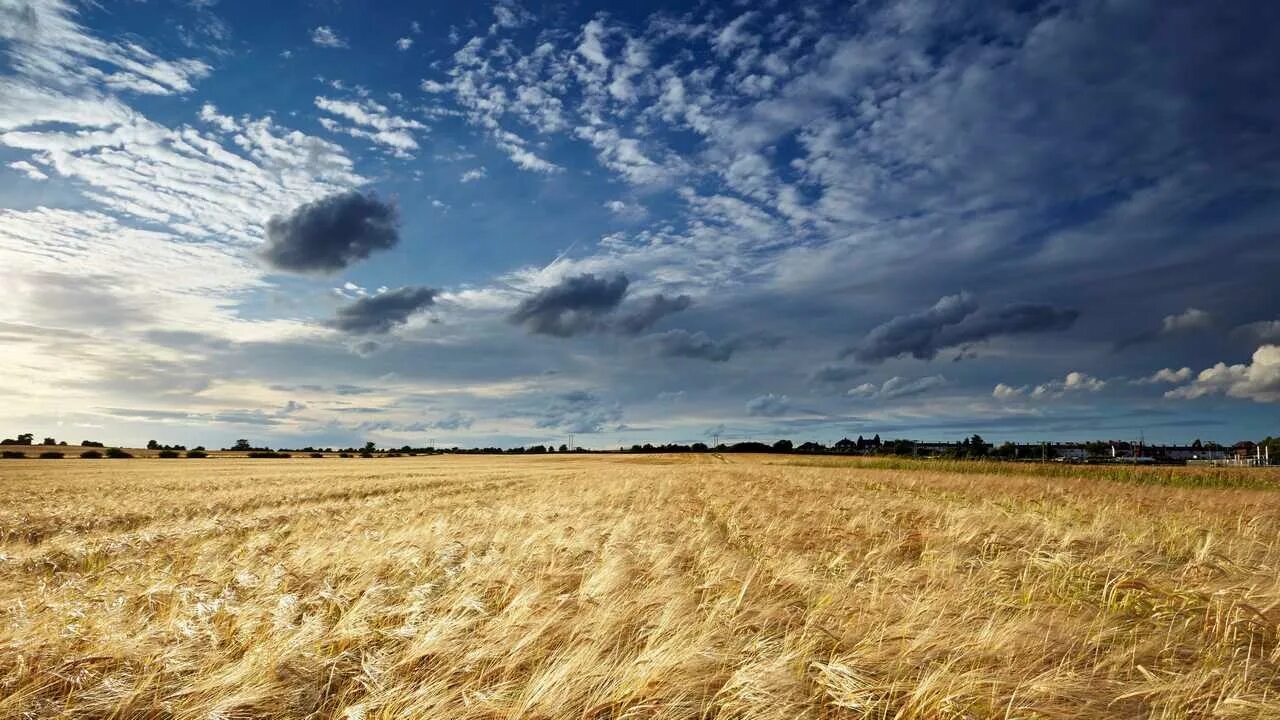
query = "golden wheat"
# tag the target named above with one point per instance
(627, 587)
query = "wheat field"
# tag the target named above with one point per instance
(593, 587)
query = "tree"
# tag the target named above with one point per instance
(242, 444)
(49, 441)
(564, 448)
(26, 439)
(975, 446)
(153, 445)
(370, 447)
(782, 446)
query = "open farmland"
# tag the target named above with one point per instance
(698, 586)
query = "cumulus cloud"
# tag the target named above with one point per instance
(898, 387)
(1167, 376)
(1074, 382)
(1258, 380)
(1008, 392)
(956, 320)
(576, 305)
(474, 174)
(329, 234)
(324, 36)
(379, 313)
(404, 43)
(580, 411)
(768, 405)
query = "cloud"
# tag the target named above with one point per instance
(1191, 319)
(1009, 392)
(324, 36)
(329, 234)
(380, 313)
(580, 411)
(898, 387)
(626, 211)
(835, 374)
(768, 405)
(1073, 382)
(650, 311)
(955, 320)
(386, 128)
(1166, 376)
(1263, 331)
(576, 305)
(31, 171)
(474, 174)
(1259, 380)
(404, 43)
(694, 345)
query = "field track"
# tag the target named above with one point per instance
(614, 586)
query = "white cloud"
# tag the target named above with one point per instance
(626, 210)
(474, 174)
(31, 171)
(404, 43)
(324, 36)
(1259, 380)
(209, 113)
(390, 130)
(898, 387)
(1167, 376)
(1073, 382)
(591, 47)
(1009, 392)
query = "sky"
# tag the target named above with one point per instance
(326, 222)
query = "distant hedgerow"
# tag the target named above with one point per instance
(91, 455)
(52, 455)
(197, 454)
(117, 454)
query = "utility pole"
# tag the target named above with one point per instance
(715, 440)
(570, 442)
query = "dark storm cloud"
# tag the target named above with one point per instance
(575, 305)
(379, 313)
(650, 311)
(327, 235)
(956, 320)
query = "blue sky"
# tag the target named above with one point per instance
(325, 222)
